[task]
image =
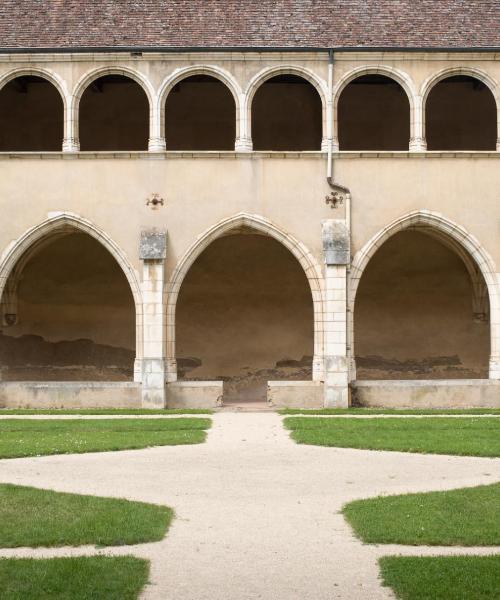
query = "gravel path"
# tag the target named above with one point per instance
(257, 515)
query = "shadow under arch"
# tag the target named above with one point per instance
(449, 72)
(269, 73)
(477, 261)
(17, 254)
(260, 225)
(60, 118)
(399, 77)
(88, 78)
(179, 75)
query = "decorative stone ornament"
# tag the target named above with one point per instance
(153, 245)
(154, 201)
(336, 242)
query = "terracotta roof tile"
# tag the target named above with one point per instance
(249, 23)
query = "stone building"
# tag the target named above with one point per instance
(230, 201)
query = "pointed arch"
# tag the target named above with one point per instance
(454, 236)
(61, 223)
(263, 226)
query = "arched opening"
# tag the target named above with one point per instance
(461, 114)
(286, 115)
(200, 114)
(245, 315)
(31, 116)
(114, 115)
(419, 314)
(373, 113)
(68, 313)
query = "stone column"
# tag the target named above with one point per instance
(337, 256)
(494, 367)
(417, 133)
(71, 143)
(243, 141)
(156, 142)
(153, 248)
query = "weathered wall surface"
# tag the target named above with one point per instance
(200, 189)
(244, 316)
(75, 317)
(413, 317)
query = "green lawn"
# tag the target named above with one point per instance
(105, 411)
(463, 517)
(79, 578)
(37, 437)
(35, 517)
(466, 436)
(443, 577)
(389, 411)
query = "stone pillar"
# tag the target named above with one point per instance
(243, 142)
(336, 249)
(417, 134)
(494, 366)
(71, 143)
(153, 247)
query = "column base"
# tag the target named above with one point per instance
(153, 383)
(417, 145)
(157, 144)
(336, 390)
(138, 370)
(336, 396)
(71, 145)
(243, 145)
(494, 369)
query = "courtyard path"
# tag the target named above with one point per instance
(257, 516)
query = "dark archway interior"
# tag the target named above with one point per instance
(200, 114)
(31, 116)
(75, 316)
(245, 315)
(114, 115)
(286, 115)
(413, 317)
(373, 114)
(460, 114)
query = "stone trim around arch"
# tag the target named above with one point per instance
(260, 225)
(474, 72)
(400, 77)
(72, 143)
(57, 224)
(270, 72)
(158, 130)
(453, 236)
(52, 78)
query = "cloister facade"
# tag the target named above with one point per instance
(306, 228)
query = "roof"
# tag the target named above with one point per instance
(101, 24)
